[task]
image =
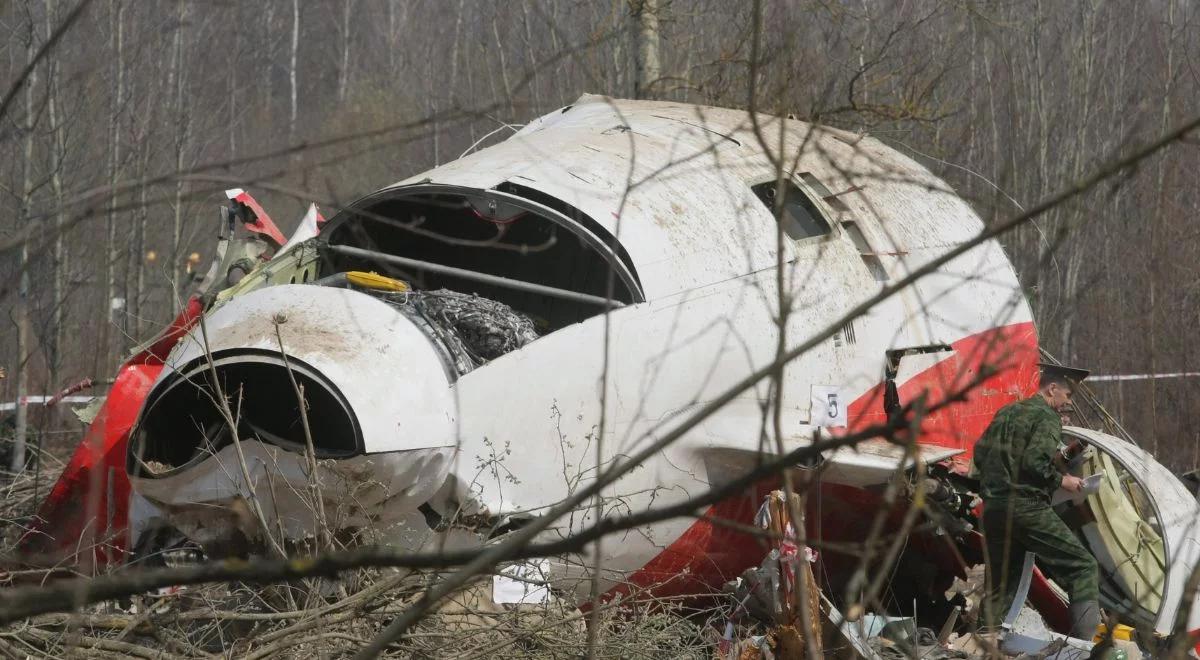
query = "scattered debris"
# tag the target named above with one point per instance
(969, 593)
(87, 412)
(850, 632)
(486, 328)
(975, 644)
(782, 593)
(901, 638)
(522, 583)
(1058, 647)
(471, 329)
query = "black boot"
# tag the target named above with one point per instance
(1085, 618)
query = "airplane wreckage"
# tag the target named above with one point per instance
(448, 334)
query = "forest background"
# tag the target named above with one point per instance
(136, 117)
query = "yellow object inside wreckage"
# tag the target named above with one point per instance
(1127, 548)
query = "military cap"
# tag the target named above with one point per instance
(1057, 371)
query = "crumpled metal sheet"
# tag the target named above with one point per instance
(485, 329)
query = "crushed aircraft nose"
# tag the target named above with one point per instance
(673, 271)
(222, 423)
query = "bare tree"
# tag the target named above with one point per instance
(649, 70)
(115, 308)
(57, 150)
(292, 66)
(24, 336)
(181, 122)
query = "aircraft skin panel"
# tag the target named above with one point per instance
(676, 192)
(708, 554)
(673, 183)
(660, 371)
(1178, 516)
(875, 462)
(96, 470)
(95, 474)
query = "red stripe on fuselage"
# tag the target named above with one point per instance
(89, 504)
(706, 555)
(1009, 352)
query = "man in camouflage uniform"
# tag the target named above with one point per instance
(1017, 469)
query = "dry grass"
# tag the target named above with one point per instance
(335, 619)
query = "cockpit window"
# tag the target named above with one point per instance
(800, 217)
(490, 244)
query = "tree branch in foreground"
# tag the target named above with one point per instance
(23, 602)
(521, 537)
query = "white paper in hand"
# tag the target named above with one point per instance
(1091, 486)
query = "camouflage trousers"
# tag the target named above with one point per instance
(1012, 528)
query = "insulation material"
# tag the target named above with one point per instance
(484, 329)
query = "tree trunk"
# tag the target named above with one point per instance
(292, 66)
(508, 93)
(22, 310)
(268, 29)
(454, 44)
(139, 287)
(181, 131)
(620, 64)
(344, 70)
(114, 165)
(57, 154)
(648, 69)
(232, 96)
(391, 14)
(1152, 247)
(530, 60)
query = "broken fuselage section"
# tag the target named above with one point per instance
(432, 365)
(375, 358)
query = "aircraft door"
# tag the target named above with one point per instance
(1141, 524)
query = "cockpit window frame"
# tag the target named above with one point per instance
(824, 212)
(625, 273)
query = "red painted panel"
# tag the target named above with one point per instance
(161, 348)
(89, 504)
(1047, 601)
(1010, 353)
(262, 223)
(707, 555)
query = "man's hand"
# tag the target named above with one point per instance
(1072, 484)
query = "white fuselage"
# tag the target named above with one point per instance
(672, 183)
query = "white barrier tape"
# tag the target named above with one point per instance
(1179, 374)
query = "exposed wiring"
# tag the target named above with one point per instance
(488, 135)
(497, 221)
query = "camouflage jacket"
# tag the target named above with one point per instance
(1015, 456)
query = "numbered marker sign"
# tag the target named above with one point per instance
(828, 406)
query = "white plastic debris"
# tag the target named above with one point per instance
(523, 583)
